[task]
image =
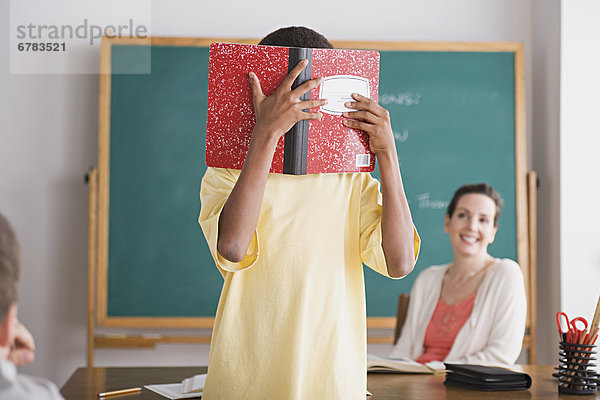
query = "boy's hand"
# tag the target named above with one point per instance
(21, 352)
(373, 119)
(276, 114)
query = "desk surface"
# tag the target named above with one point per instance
(86, 383)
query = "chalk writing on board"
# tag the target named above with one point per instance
(401, 136)
(402, 99)
(426, 202)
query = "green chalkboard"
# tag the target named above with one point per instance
(453, 115)
(455, 119)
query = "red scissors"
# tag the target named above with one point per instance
(572, 334)
(565, 335)
(578, 333)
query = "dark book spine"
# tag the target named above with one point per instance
(296, 139)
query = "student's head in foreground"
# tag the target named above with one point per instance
(296, 36)
(472, 218)
(9, 267)
(9, 280)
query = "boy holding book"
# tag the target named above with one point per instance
(291, 320)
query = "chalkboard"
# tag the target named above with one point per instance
(457, 114)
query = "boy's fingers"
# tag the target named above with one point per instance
(255, 85)
(306, 86)
(365, 103)
(291, 77)
(364, 115)
(363, 126)
(311, 115)
(359, 97)
(21, 357)
(312, 103)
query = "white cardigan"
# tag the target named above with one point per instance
(493, 333)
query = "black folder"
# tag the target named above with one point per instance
(480, 377)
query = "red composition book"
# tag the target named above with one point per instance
(310, 147)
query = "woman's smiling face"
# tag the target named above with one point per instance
(471, 227)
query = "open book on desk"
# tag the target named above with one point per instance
(401, 365)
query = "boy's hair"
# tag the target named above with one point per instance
(478, 188)
(296, 36)
(9, 266)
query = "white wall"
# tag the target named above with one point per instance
(579, 166)
(545, 148)
(49, 133)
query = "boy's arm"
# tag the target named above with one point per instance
(275, 115)
(397, 232)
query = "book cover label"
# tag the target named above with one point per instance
(338, 89)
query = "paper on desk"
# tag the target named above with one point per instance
(189, 388)
(193, 384)
(173, 391)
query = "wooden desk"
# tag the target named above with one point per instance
(85, 383)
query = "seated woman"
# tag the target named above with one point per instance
(473, 309)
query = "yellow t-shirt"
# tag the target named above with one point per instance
(291, 320)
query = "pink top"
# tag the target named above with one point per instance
(446, 322)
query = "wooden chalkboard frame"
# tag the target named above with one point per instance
(99, 211)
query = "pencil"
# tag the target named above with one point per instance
(122, 391)
(596, 319)
(592, 336)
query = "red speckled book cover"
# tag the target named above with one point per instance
(326, 146)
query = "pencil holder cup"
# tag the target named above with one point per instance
(576, 369)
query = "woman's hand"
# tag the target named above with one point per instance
(373, 119)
